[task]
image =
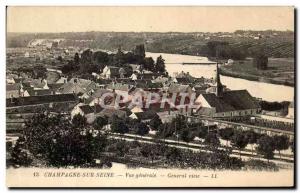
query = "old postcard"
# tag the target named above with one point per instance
(150, 96)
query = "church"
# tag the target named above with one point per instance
(226, 103)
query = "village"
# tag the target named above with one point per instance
(134, 101)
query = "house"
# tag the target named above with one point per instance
(82, 110)
(110, 72)
(178, 88)
(182, 80)
(230, 62)
(230, 104)
(182, 74)
(62, 80)
(167, 116)
(134, 76)
(120, 88)
(144, 116)
(136, 109)
(37, 84)
(17, 90)
(71, 88)
(122, 73)
(223, 103)
(26, 55)
(135, 68)
(96, 97)
(62, 103)
(54, 87)
(148, 75)
(32, 92)
(57, 70)
(161, 79)
(200, 81)
(109, 112)
(12, 79)
(89, 112)
(201, 89)
(44, 99)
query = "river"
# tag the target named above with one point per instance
(266, 91)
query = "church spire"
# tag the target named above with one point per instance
(219, 89)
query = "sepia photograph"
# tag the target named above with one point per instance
(150, 96)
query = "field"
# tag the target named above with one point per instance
(279, 46)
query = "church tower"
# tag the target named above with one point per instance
(219, 86)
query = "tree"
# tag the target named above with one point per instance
(76, 59)
(179, 122)
(118, 58)
(177, 125)
(281, 142)
(59, 58)
(142, 129)
(60, 143)
(79, 121)
(230, 52)
(20, 155)
(86, 57)
(149, 64)
(165, 130)
(160, 65)
(122, 148)
(39, 72)
(212, 47)
(70, 67)
(203, 131)
(186, 135)
(151, 151)
(260, 61)
(118, 125)
(100, 58)
(266, 146)
(239, 140)
(226, 134)
(139, 51)
(252, 138)
(212, 140)
(155, 122)
(100, 122)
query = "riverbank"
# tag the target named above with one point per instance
(225, 72)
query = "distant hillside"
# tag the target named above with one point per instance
(276, 43)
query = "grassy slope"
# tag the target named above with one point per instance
(280, 71)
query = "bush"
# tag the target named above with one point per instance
(142, 129)
(19, 155)
(261, 165)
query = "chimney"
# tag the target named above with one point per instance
(11, 98)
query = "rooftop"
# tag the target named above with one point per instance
(231, 101)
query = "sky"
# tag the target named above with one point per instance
(148, 19)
